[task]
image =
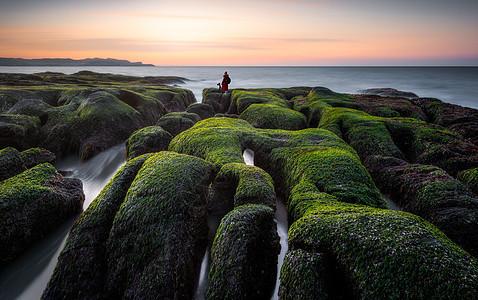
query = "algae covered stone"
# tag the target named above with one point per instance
(177, 122)
(147, 140)
(244, 254)
(32, 204)
(274, 117)
(147, 231)
(386, 253)
(237, 184)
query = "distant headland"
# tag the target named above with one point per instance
(68, 62)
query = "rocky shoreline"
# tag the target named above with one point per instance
(330, 156)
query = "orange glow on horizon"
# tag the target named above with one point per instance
(253, 33)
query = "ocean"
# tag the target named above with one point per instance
(457, 85)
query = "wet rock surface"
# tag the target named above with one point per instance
(34, 200)
(330, 156)
(84, 113)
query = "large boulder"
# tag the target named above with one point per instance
(147, 140)
(274, 117)
(32, 204)
(244, 254)
(143, 237)
(177, 122)
(431, 193)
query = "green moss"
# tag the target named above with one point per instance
(305, 275)
(244, 254)
(147, 140)
(159, 234)
(34, 156)
(177, 122)
(217, 140)
(273, 117)
(246, 184)
(244, 98)
(11, 163)
(470, 178)
(385, 252)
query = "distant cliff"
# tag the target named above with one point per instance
(68, 62)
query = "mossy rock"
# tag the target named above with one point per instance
(459, 119)
(19, 131)
(35, 156)
(84, 119)
(203, 110)
(307, 275)
(159, 234)
(144, 235)
(415, 140)
(368, 135)
(32, 204)
(244, 98)
(314, 155)
(217, 140)
(218, 100)
(82, 267)
(431, 193)
(274, 117)
(385, 253)
(177, 122)
(470, 178)
(11, 163)
(244, 254)
(147, 140)
(318, 157)
(237, 184)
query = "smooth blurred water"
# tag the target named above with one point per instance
(458, 85)
(27, 277)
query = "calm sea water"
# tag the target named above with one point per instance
(458, 85)
(27, 277)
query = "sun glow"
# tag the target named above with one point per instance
(211, 32)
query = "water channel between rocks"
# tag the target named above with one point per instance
(27, 277)
(213, 222)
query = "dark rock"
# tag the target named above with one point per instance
(177, 122)
(431, 193)
(217, 99)
(35, 156)
(143, 237)
(462, 120)
(237, 184)
(11, 163)
(203, 110)
(470, 178)
(244, 254)
(82, 267)
(388, 92)
(19, 131)
(147, 140)
(34, 203)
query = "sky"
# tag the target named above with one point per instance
(246, 32)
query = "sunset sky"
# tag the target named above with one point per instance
(247, 32)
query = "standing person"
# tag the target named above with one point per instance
(225, 82)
